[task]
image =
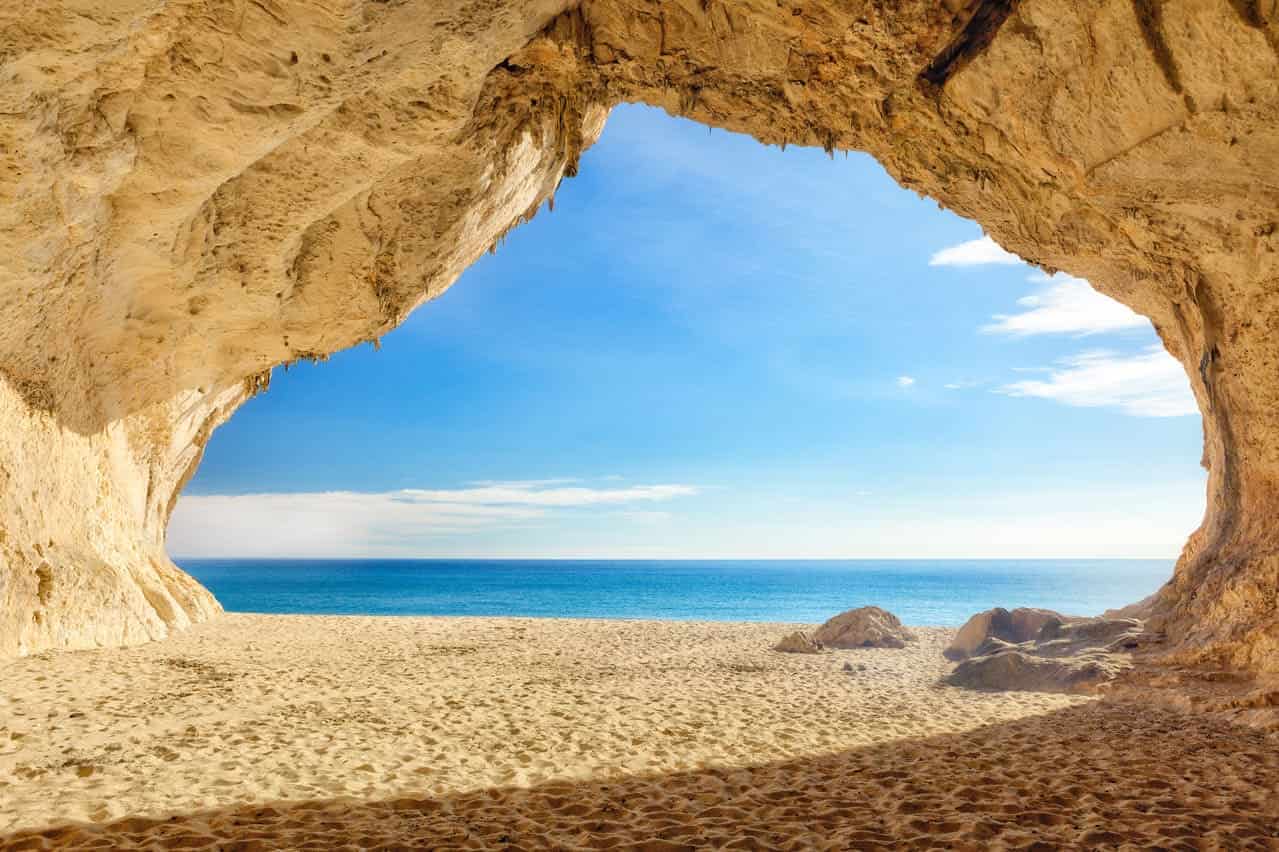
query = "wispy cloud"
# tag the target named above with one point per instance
(526, 484)
(643, 516)
(974, 253)
(1066, 305)
(1151, 384)
(905, 381)
(347, 523)
(539, 493)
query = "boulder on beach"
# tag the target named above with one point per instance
(1013, 669)
(865, 627)
(1019, 625)
(1076, 656)
(798, 642)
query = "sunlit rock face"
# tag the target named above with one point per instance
(194, 192)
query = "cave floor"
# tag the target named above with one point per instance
(289, 731)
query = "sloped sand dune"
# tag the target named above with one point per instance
(257, 732)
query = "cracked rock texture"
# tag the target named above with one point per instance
(1021, 625)
(864, 627)
(1079, 655)
(194, 192)
(798, 642)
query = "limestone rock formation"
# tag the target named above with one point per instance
(1019, 625)
(192, 193)
(1067, 656)
(864, 627)
(798, 642)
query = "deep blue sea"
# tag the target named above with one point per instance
(922, 592)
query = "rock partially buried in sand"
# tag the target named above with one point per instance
(1017, 671)
(1020, 625)
(1068, 656)
(865, 627)
(798, 642)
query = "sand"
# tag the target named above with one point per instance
(287, 731)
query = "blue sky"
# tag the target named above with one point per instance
(712, 348)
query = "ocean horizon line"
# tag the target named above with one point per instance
(672, 558)
(919, 591)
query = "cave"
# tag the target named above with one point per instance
(195, 194)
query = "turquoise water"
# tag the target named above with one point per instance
(934, 592)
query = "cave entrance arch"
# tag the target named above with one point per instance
(713, 321)
(175, 230)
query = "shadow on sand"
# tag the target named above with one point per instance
(1094, 776)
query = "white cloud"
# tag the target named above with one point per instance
(539, 493)
(349, 523)
(522, 483)
(643, 516)
(974, 253)
(962, 385)
(1151, 384)
(905, 381)
(1066, 305)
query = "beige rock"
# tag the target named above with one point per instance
(1019, 625)
(194, 193)
(1075, 657)
(865, 627)
(798, 642)
(1018, 671)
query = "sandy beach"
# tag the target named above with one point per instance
(286, 731)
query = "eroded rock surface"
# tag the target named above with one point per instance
(1018, 625)
(864, 627)
(798, 642)
(194, 192)
(1066, 656)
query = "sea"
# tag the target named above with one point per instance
(919, 592)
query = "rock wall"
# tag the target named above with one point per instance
(194, 192)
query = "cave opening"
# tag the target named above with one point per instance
(789, 361)
(710, 348)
